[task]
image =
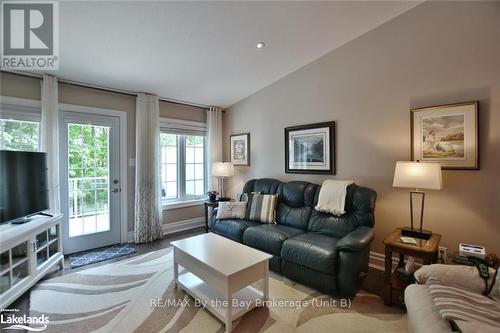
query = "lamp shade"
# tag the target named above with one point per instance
(418, 175)
(223, 169)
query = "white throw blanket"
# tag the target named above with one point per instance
(332, 196)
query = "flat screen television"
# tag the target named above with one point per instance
(23, 185)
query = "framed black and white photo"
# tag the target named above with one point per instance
(310, 148)
(240, 149)
(447, 134)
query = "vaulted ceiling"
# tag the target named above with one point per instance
(205, 52)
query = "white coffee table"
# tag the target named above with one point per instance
(220, 272)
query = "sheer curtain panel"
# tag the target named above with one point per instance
(214, 143)
(148, 208)
(50, 138)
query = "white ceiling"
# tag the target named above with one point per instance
(204, 52)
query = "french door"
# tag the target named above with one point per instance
(90, 180)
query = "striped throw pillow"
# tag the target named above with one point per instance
(262, 207)
(244, 196)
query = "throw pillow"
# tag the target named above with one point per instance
(262, 207)
(244, 196)
(231, 210)
(241, 197)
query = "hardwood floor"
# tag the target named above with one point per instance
(373, 283)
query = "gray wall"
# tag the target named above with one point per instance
(27, 87)
(437, 53)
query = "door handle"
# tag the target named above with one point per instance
(116, 190)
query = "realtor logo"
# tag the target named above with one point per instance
(30, 35)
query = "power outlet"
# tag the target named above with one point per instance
(443, 254)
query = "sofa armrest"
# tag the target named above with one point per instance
(357, 240)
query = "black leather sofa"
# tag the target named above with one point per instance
(317, 249)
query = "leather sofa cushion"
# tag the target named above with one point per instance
(263, 185)
(323, 282)
(233, 228)
(359, 206)
(312, 250)
(295, 203)
(269, 237)
(331, 225)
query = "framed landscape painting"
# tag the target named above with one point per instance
(447, 134)
(240, 149)
(310, 148)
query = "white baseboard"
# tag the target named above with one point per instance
(174, 227)
(377, 260)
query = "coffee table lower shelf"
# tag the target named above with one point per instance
(198, 289)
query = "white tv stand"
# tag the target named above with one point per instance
(27, 252)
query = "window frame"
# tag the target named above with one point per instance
(183, 128)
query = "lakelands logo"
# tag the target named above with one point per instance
(30, 35)
(36, 324)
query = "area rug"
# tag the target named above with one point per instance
(101, 254)
(137, 295)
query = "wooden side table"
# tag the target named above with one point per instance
(212, 204)
(427, 250)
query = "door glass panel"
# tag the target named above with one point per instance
(41, 239)
(4, 260)
(41, 256)
(53, 248)
(4, 282)
(53, 232)
(19, 253)
(88, 179)
(20, 272)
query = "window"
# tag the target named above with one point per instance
(19, 124)
(169, 165)
(19, 135)
(183, 167)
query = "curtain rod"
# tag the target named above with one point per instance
(119, 91)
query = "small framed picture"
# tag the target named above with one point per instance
(447, 134)
(310, 148)
(240, 149)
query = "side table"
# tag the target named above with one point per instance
(212, 204)
(427, 250)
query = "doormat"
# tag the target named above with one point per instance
(101, 254)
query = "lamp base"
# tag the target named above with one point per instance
(416, 233)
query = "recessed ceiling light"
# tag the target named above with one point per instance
(260, 45)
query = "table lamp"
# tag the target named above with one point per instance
(222, 170)
(419, 176)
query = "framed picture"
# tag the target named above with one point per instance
(310, 148)
(240, 149)
(447, 134)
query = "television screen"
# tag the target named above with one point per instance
(23, 184)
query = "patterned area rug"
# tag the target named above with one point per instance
(105, 253)
(137, 295)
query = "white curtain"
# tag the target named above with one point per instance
(50, 138)
(148, 208)
(214, 143)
